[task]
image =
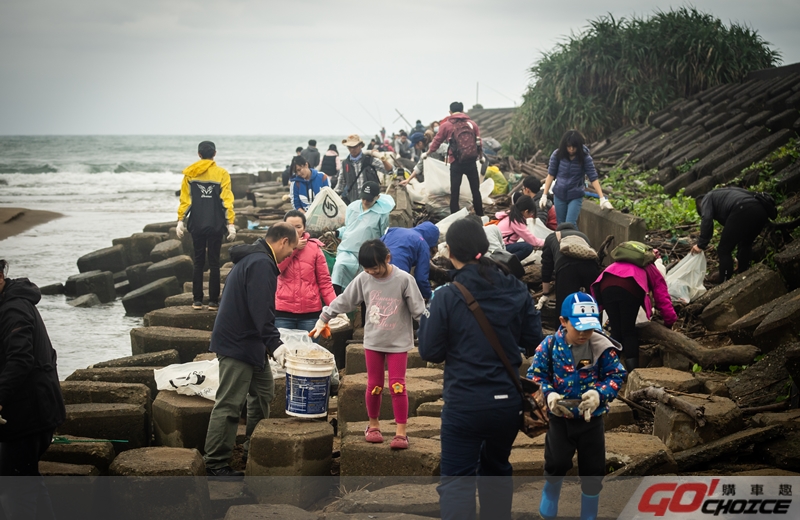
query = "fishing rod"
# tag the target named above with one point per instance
(404, 119)
(368, 113)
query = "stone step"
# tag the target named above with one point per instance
(788, 263)
(181, 267)
(188, 342)
(733, 167)
(137, 275)
(755, 288)
(166, 249)
(61, 469)
(741, 331)
(680, 432)
(136, 375)
(152, 359)
(159, 462)
(187, 288)
(181, 317)
(432, 409)
(99, 454)
(151, 296)
(402, 501)
(417, 427)
(79, 392)
(111, 421)
(667, 378)
(364, 459)
(106, 259)
(181, 421)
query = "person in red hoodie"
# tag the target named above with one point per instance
(304, 281)
(465, 149)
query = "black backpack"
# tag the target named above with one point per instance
(768, 203)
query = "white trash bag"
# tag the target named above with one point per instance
(326, 213)
(685, 280)
(299, 339)
(194, 378)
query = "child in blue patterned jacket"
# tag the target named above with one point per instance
(580, 373)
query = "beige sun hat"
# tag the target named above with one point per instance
(352, 140)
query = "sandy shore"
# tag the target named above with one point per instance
(16, 220)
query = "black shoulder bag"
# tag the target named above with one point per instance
(534, 414)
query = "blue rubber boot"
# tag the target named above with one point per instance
(589, 506)
(548, 507)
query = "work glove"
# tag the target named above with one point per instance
(280, 355)
(320, 328)
(2, 421)
(543, 201)
(483, 159)
(605, 204)
(553, 400)
(590, 400)
(181, 229)
(543, 299)
(231, 232)
(423, 156)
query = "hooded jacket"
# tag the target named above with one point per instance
(446, 132)
(304, 278)
(556, 370)
(302, 191)
(718, 205)
(570, 175)
(360, 226)
(311, 154)
(245, 325)
(206, 198)
(474, 377)
(513, 231)
(412, 248)
(30, 393)
(650, 280)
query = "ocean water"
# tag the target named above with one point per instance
(106, 187)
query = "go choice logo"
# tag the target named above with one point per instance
(693, 496)
(330, 208)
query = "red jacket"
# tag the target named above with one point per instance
(304, 278)
(446, 132)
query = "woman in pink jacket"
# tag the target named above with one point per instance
(621, 290)
(304, 281)
(513, 225)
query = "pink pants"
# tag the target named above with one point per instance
(397, 383)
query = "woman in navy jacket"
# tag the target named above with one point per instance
(570, 163)
(481, 415)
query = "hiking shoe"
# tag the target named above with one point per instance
(198, 306)
(224, 472)
(213, 306)
(400, 442)
(373, 435)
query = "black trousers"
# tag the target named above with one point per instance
(567, 435)
(740, 231)
(622, 308)
(212, 243)
(23, 494)
(457, 171)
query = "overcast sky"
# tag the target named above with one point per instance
(297, 68)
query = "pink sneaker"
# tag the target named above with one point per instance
(373, 435)
(400, 442)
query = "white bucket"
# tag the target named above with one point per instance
(308, 380)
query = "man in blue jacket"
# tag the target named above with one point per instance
(244, 333)
(412, 248)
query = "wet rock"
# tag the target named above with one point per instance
(131, 375)
(755, 288)
(181, 267)
(138, 246)
(100, 283)
(53, 288)
(181, 317)
(61, 469)
(122, 288)
(741, 331)
(781, 326)
(166, 249)
(87, 452)
(107, 259)
(788, 263)
(762, 382)
(154, 359)
(411, 499)
(137, 275)
(188, 342)
(151, 296)
(87, 300)
(181, 421)
(113, 421)
(361, 458)
(663, 377)
(680, 432)
(160, 227)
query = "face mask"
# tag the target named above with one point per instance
(436, 130)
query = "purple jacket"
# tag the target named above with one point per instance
(649, 279)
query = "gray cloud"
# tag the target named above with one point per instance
(254, 67)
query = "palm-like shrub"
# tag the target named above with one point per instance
(617, 72)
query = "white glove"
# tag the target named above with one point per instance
(423, 156)
(605, 204)
(280, 355)
(317, 330)
(543, 201)
(553, 400)
(483, 159)
(181, 229)
(590, 400)
(543, 299)
(231, 232)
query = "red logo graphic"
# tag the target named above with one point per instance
(691, 496)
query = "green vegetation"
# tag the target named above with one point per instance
(622, 71)
(629, 190)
